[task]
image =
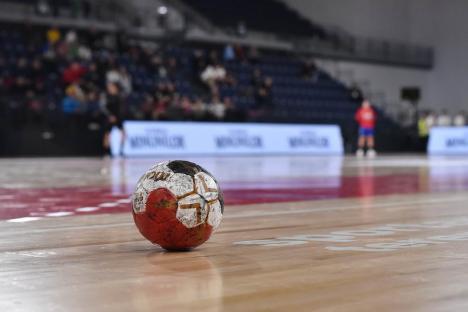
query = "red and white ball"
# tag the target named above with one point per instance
(177, 205)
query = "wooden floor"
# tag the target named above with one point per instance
(389, 234)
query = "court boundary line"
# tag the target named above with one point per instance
(257, 213)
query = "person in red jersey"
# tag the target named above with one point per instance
(366, 117)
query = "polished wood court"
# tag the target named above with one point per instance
(389, 234)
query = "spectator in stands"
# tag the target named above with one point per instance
(217, 108)
(186, 106)
(264, 97)
(61, 51)
(431, 119)
(22, 67)
(146, 110)
(71, 104)
(239, 53)
(79, 91)
(309, 70)
(121, 77)
(355, 93)
(42, 7)
(230, 80)
(160, 108)
(84, 53)
(232, 113)
(109, 41)
(460, 119)
(125, 81)
(156, 65)
(113, 75)
(165, 91)
(172, 68)
(49, 59)
(212, 75)
(93, 105)
(73, 73)
(71, 44)
(444, 119)
(253, 55)
(137, 54)
(229, 54)
(53, 36)
(199, 62)
(198, 109)
(92, 78)
(213, 58)
(408, 114)
(241, 29)
(175, 110)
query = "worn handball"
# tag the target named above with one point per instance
(177, 205)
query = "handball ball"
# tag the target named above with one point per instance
(177, 205)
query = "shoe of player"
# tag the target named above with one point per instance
(360, 153)
(371, 153)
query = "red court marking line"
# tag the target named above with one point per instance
(17, 203)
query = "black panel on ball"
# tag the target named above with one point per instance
(185, 167)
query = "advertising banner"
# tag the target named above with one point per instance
(448, 141)
(210, 138)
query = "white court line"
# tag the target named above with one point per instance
(108, 205)
(59, 214)
(86, 209)
(264, 213)
(33, 254)
(124, 201)
(25, 219)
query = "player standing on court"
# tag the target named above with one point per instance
(365, 116)
(113, 111)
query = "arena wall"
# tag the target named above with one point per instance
(426, 22)
(382, 84)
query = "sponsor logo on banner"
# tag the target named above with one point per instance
(309, 139)
(154, 138)
(238, 139)
(458, 141)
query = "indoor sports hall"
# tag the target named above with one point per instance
(267, 155)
